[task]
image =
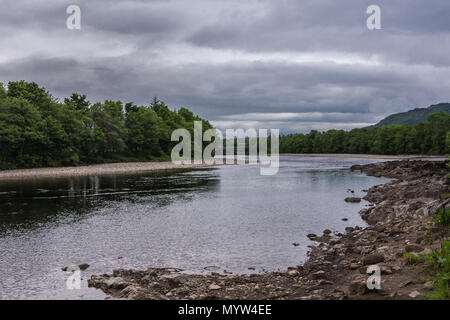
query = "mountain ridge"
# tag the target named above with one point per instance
(412, 117)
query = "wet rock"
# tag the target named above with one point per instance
(414, 294)
(83, 266)
(405, 284)
(358, 287)
(372, 259)
(116, 283)
(349, 229)
(137, 293)
(413, 248)
(293, 273)
(311, 297)
(174, 280)
(353, 199)
(73, 268)
(214, 287)
(354, 266)
(385, 269)
(319, 275)
(211, 268)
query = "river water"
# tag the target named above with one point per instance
(214, 219)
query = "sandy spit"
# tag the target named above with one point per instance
(109, 168)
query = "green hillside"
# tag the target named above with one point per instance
(412, 117)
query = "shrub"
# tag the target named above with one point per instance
(442, 217)
(438, 263)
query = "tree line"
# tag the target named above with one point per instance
(428, 138)
(38, 130)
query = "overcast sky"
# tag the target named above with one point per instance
(290, 64)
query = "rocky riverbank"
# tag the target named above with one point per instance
(399, 221)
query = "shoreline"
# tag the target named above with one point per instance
(360, 156)
(95, 169)
(137, 167)
(399, 222)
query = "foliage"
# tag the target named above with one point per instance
(424, 138)
(438, 263)
(36, 130)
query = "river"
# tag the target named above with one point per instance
(204, 220)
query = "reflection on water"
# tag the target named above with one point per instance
(200, 220)
(28, 204)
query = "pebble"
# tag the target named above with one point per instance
(214, 287)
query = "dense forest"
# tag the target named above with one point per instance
(37, 130)
(424, 138)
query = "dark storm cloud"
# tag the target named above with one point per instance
(292, 64)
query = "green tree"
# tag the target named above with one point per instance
(22, 134)
(78, 102)
(109, 135)
(143, 132)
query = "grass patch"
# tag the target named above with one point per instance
(438, 263)
(442, 217)
(412, 259)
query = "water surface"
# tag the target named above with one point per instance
(222, 218)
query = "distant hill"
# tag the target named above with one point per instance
(412, 117)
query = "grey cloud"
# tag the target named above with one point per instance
(221, 90)
(338, 25)
(132, 50)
